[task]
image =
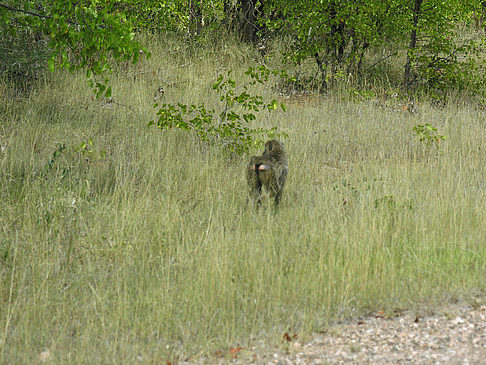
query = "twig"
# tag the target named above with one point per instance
(383, 59)
(25, 12)
(31, 13)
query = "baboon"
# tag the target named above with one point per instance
(268, 170)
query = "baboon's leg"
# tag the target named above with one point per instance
(278, 196)
(255, 186)
(280, 184)
(276, 193)
(257, 194)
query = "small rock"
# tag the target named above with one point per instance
(458, 320)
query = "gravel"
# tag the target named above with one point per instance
(456, 335)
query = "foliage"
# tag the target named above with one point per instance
(338, 36)
(23, 55)
(53, 158)
(87, 150)
(360, 95)
(171, 15)
(335, 34)
(427, 134)
(190, 17)
(81, 34)
(231, 127)
(441, 58)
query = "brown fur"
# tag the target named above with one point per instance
(268, 170)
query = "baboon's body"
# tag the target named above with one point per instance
(269, 171)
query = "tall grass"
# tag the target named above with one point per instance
(141, 246)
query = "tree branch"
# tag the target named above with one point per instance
(32, 13)
(381, 60)
(25, 12)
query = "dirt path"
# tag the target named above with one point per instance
(456, 335)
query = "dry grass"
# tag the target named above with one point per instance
(143, 246)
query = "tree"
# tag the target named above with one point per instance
(438, 57)
(248, 25)
(407, 78)
(335, 33)
(80, 34)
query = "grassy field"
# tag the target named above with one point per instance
(140, 246)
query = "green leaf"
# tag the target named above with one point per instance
(273, 105)
(50, 64)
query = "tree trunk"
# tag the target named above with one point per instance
(322, 69)
(230, 12)
(195, 18)
(407, 77)
(481, 23)
(247, 20)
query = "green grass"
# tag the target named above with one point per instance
(142, 246)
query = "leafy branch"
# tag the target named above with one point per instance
(230, 128)
(427, 134)
(86, 35)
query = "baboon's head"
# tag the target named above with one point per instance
(274, 147)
